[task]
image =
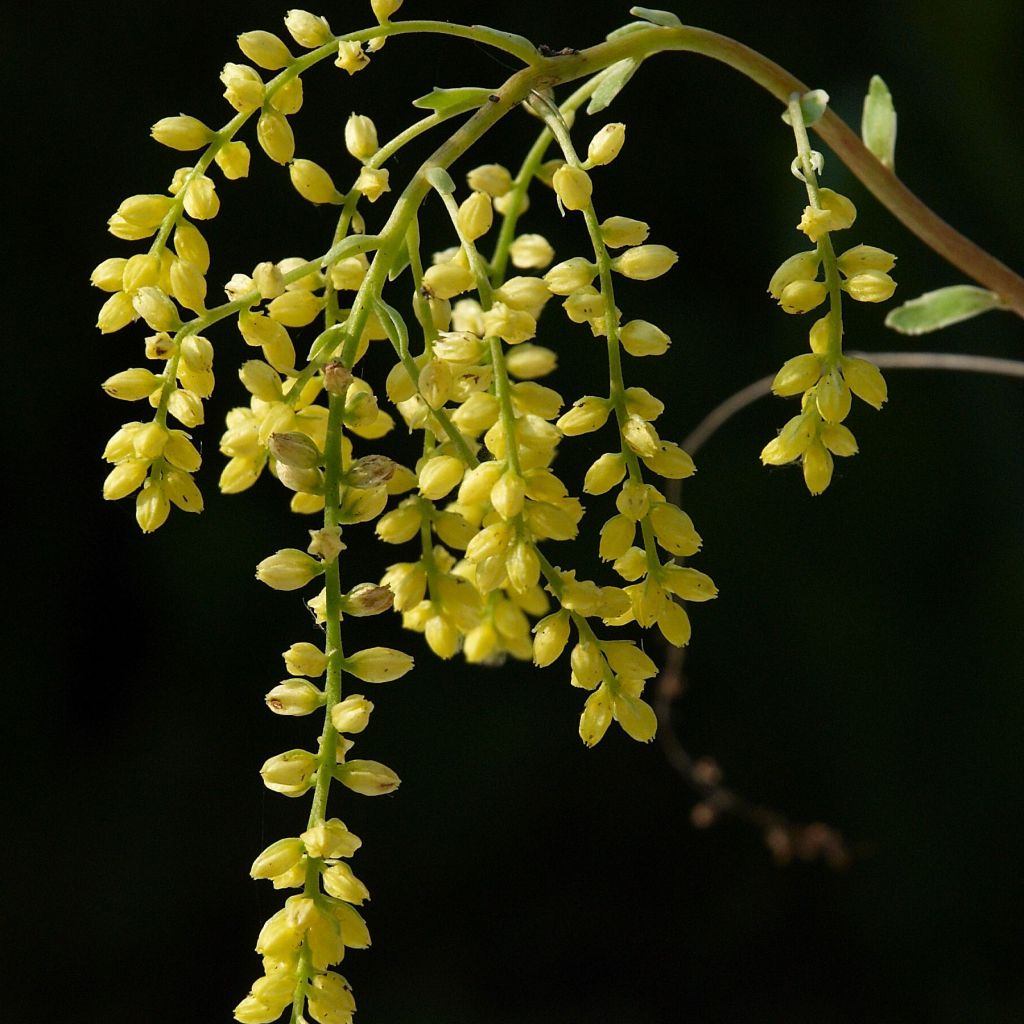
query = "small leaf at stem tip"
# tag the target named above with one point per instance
(878, 122)
(812, 106)
(935, 310)
(453, 101)
(612, 83)
(666, 19)
(441, 180)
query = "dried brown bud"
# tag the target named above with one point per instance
(371, 471)
(337, 377)
(367, 599)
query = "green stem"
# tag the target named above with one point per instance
(825, 250)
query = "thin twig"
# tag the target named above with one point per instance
(784, 838)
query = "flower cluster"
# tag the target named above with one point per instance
(484, 496)
(825, 377)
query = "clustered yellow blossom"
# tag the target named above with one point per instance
(825, 378)
(481, 501)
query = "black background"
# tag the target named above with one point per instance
(862, 666)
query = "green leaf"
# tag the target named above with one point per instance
(664, 18)
(453, 101)
(612, 83)
(935, 310)
(878, 122)
(812, 106)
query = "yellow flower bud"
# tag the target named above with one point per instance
(352, 714)
(870, 286)
(265, 49)
(865, 257)
(815, 223)
(141, 271)
(803, 296)
(627, 660)
(508, 495)
(632, 564)
(131, 385)
(124, 479)
(383, 9)
(312, 182)
(446, 280)
(528, 362)
(400, 524)
(369, 778)
(587, 665)
(180, 452)
(197, 353)
(148, 441)
(109, 275)
(151, 507)
(616, 537)
(817, 466)
(838, 439)
(791, 443)
(671, 462)
(442, 637)
(290, 773)
(329, 998)
(288, 99)
(586, 415)
(188, 286)
(493, 179)
(117, 312)
(260, 380)
(201, 202)
(277, 859)
(605, 145)
(156, 309)
(674, 530)
(841, 210)
(803, 266)
(295, 308)
(342, 884)
(378, 664)
(439, 475)
(288, 569)
(233, 160)
(689, 584)
(529, 294)
(361, 136)
(645, 262)
(190, 245)
(570, 275)
(243, 87)
(305, 659)
(797, 375)
(636, 717)
(531, 252)
(596, 717)
(475, 216)
(573, 187)
(182, 133)
(619, 231)
(294, 697)
(186, 408)
(372, 183)
(674, 624)
(832, 396)
(513, 326)
(351, 57)
(584, 304)
(865, 381)
(819, 335)
(348, 274)
(148, 211)
(640, 436)
(330, 841)
(633, 500)
(275, 136)
(408, 582)
(307, 29)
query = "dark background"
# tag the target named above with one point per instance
(862, 667)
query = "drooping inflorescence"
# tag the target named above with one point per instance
(824, 377)
(482, 505)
